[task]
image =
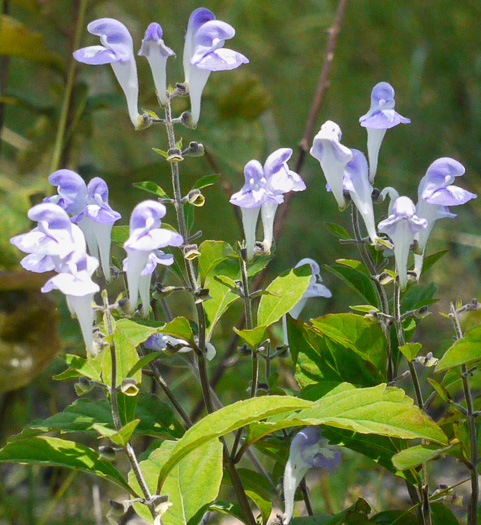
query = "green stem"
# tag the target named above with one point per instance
(473, 502)
(64, 112)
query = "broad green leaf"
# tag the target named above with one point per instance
(337, 230)
(221, 299)
(227, 507)
(17, 40)
(120, 437)
(80, 365)
(212, 254)
(206, 181)
(252, 337)
(353, 263)
(381, 410)
(414, 456)
(464, 351)
(442, 515)
(364, 308)
(358, 512)
(285, 292)
(410, 350)
(189, 216)
(54, 452)
(394, 517)
(191, 485)
(432, 259)
(179, 327)
(144, 362)
(227, 420)
(264, 505)
(418, 296)
(151, 187)
(357, 281)
(135, 332)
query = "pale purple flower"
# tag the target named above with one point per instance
(265, 187)
(90, 209)
(401, 226)
(356, 182)
(435, 193)
(163, 342)
(142, 247)
(380, 117)
(117, 49)
(74, 280)
(157, 53)
(203, 53)
(53, 239)
(308, 450)
(333, 157)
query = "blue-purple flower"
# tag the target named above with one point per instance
(380, 117)
(308, 450)
(264, 188)
(157, 53)
(204, 53)
(401, 226)
(89, 208)
(435, 193)
(143, 250)
(117, 50)
(356, 182)
(333, 157)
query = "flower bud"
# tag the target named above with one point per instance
(194, 150)
(129, 387)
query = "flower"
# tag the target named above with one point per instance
(435, 193)
(356, 182)
(401, 226)
(265, 187)
(157, 53)
(203, 54)
(315, 289)
(54, 238)
(380, 117)
(143, 254)
(90, 209)
(74, 280)
(117, 49)
(307, 451)
(165, 343)
(333, 157)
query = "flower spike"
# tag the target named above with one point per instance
(117, 50)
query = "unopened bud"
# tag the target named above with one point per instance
(191, 252)
(144, 122)
(107, 453)
(428, 360)
(186, 119)
(194, 150)
(129, 387)
(422, 313)
(83, 386)
(196, 198)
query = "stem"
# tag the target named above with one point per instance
(128, 449)
(4, 63)
(305, 496)
(473, 502)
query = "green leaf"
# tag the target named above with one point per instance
(54, 452)
(284, 293)
(337, 230)
(17, 40)
(414, 456)
(357, 512)
(432, 259)
(193, 484)
(120, 437)
(442, 515)
(82, 366)
(464, 351)
(151, 187)
(394, 517)
(410, 350)
(356, 265)
(357, 281)
(227, 420)
(418, 296)
(364, 308)
(227, 507)
(144, 362)
(120, 234)
(161, 152)
(178, 144)
(189, 216)
(135, 332)
(227, 281)
(206, 181)
(212, 254)
(180, 327)
(252, 337)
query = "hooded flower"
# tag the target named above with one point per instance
(308, 450)
(315, 289)
(143, 250)
(436, 192)
(265, 187)
(333, 157)
(380, 117)
(204, 53)
(157, 53)
(90, 209)
(53, 239)
(401, 226)
(356, 182)
(74, 280)
(165, 343)
(117, 50)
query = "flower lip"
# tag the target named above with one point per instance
(72, 191)
(153, 40)
(381, 114)
(112, 33)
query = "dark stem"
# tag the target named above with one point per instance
(4, 63)
(305, 496)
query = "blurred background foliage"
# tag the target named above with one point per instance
(429, 51)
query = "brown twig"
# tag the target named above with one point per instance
(321, 88)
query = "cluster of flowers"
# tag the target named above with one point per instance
(203, 53)
(79, 216)
(347, 171)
